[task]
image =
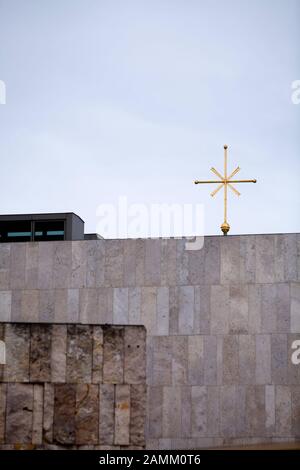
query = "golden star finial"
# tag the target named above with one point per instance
(225, 181)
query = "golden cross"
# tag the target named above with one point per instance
(225, 181)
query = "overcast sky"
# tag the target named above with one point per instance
(110, 98)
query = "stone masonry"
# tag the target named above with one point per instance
(220, 323)
(72, 386)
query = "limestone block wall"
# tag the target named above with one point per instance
(72, 386)
(220, 322)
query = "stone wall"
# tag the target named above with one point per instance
(220, 322)
(69, 386)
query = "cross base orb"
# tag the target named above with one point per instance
(225, 227)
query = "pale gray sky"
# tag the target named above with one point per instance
(137, 98)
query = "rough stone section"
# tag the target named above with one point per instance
(17, 339)
(58, 353)
(154, 413)
(40, 353)
(106, 414)
(48, 413)
(5, 305)
(19, 410)
(4, 266)
(3, 388)
(122, 415)
(64, 414)
(135, 355)
(79, 353)
(97, 366)
(113, 355)
(199, 411)
(87, 414)
(37, 424)
(138, 395)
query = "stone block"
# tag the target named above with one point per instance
(196, 266)
(295, 308)
(4, 266)
(171, 416)
(195, 360)
(162, 319)
(213, 411)
(279, 359)
(219, 304)
(61, 306)
(270, 409)
(154, 411)
(114, 263)
(265, 259)
(293, 369)
(263, 359)
(3, 389)
(58, 353)
(228, 411)
(97, 362)
(17, 265)
(129, 264)
(269, 308)
(62, 264)
(254, 307)
(64, 414)
(295, 396)
(173, 310)
(105, 305)
(138, 394)
(19, 408)
(152, 262)
(48, 413)
(37, 419)
(113, 355)
(238, 309)
(230, 260)
(290, 257)
(199, 411)
(202, 317)
(120, 306)
(79, 353)
(186, 310)
(212, 263)
(149, 309)
(134, 306)
(283, 410)
(210, 360)
(45, 266)
(88, 301)
(31, 265)
(168, 262)
(17, 342)
(5, 306)
(78, 265)
(140, 262)
(255, 410)
(182, 262)
(46, 305)
(247, 354)
(134, 355)
(40, 353)
(73, 306)
(30, 305)
(283, 308)
(242, 426)
(179, 360)
(162, 360)
(122, 415)
(186, 411)
(87, 414)
(247, 259)
(106, 413)
(230, 360)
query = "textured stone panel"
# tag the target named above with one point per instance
(87, 414)
(17, 265)
(168, 262)
(247, 259)
(196, 260)
(120, 306)
(97, 362)
(212, 263)
(247, 353)
(265, 265)
(283, 410)
(88, 306)
(171, 417)
(135, 355)
(238, 309)
(30, 305)
(149, 309)
(3, 388)
(58, 353)
(199, 411)
(173, 310)
(269, 308)
(283, 308)
(270, 409)
(129, 266)
(279, 359)
(40, 353)
(186, 411)
(78, 267)
(154, 411)
(62, 264)
(219, 302)
(4, 266)
(202, 318)
(134, 305)
(180, 360)
(256, 410)
(295, 396)
(228, 411)
(5, 305)
(295, 308)
(79, 353)
(45, 268)
(61, 306)
(230, 360)
(255, 321)
(73, 306)
(64, 414)
(122, 414)
(230, 260)
(162, 360)
(263, 359)
(114, 263)
(17, 341)
(162, 319)
(195, 360)
(106, 413)
(186, 310)
(37, 423)
(113, 355)
(31, 265)
(19, 410)
(46, 305)
(48, 414)
(182, 262)
(210, 360)
(138, 395)
(105, 306)
(152, 262)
